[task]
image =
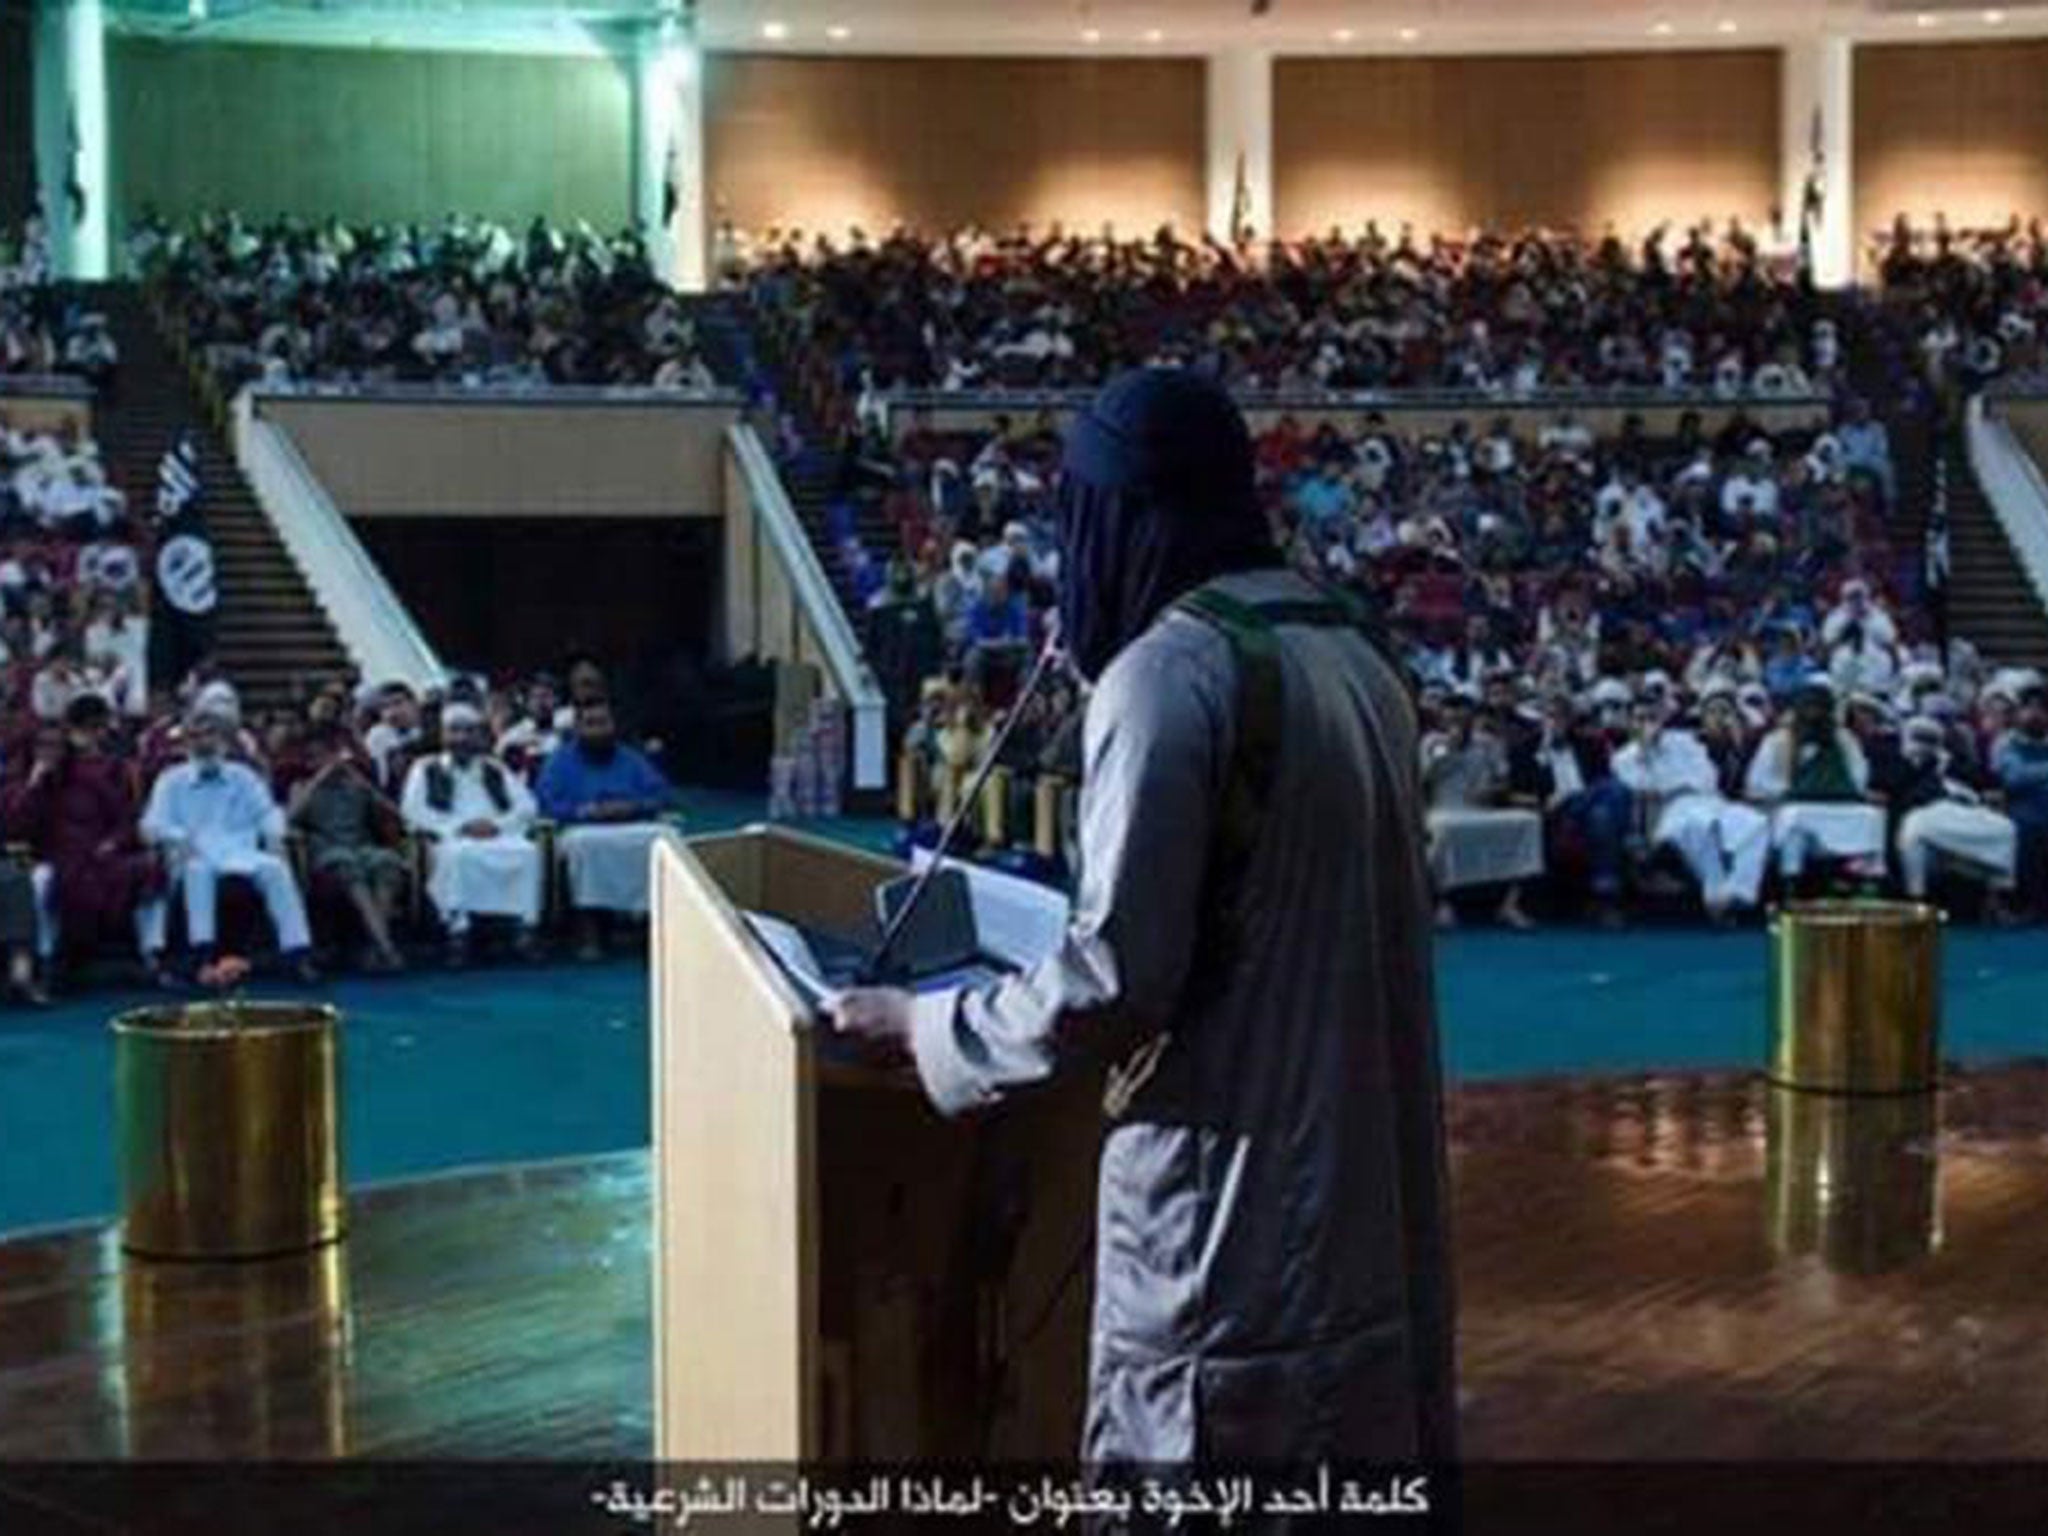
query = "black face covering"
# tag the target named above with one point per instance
(1155, 499)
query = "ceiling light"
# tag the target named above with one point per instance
(1923, 20)
(1725, 28)
(1091, 35)
(775, 31)
(1409, 34)
(1155, 36)
(1993, 18)
(1342, 35)
(839, 34)
(1662, 29)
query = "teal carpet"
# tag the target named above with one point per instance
(444, 1071)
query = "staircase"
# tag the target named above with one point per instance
(271, 638)
(731, 346)
(1884, 371)
(1990, 601)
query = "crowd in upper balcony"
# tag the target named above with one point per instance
(1698, 309)
(45, 328)
(463, 301)
(1976, 299)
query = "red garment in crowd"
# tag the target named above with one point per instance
(81, 820)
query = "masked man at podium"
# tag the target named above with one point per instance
(1250, 952)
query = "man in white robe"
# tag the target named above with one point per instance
(217, 818)
(1945, 820)
(1723, 842)
(476, 811)
(1813, 775)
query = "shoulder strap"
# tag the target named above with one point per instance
(1255, 757)
(494, 786)
(440, 786)
(1249, 782)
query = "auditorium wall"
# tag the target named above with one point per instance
(509, 459)
(635, 591)
(940, 142)
(370, 134)
(1446, 143)
(1960, 129)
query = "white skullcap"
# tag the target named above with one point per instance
(460, 713)
(219, 701)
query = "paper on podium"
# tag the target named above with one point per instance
(793, 952)
(1017, 921)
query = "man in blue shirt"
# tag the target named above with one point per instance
(608, 800)
(1325, 502)
(999, 616)
(2020, 762)
(215, 817)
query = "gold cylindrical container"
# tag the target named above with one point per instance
(230, 1143)
(1851, 1178)
(1856, 997)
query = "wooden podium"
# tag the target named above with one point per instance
(840, 1273)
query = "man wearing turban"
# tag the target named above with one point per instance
(1249, 951)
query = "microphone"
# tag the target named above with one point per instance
(1049, 656)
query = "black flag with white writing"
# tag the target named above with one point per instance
(181, 634)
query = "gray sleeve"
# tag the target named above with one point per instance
(1154, 749)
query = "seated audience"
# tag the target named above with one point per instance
(463, 302)
(1941, 819)
(1680, 798)
(348, 822)
(77, 810)
(1475, 839)
(2019, 762)
(214, 818)
(477, 812)
(608, 801)
(1811, 771)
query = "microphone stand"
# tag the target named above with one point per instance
(877, 963)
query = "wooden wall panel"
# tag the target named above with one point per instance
(1446, 143)
(823, 144)
(392, 458)
(1959, 129)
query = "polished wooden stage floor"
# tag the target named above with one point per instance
(1649, 1268)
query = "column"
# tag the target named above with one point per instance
(1815, 87)
(1240, 133)
(668, 153)
(70, 61)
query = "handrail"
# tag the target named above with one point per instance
(2014, 485)
(493, 393)
(372, 623)
(62, 386)
(1577, 398)
(852, 678)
